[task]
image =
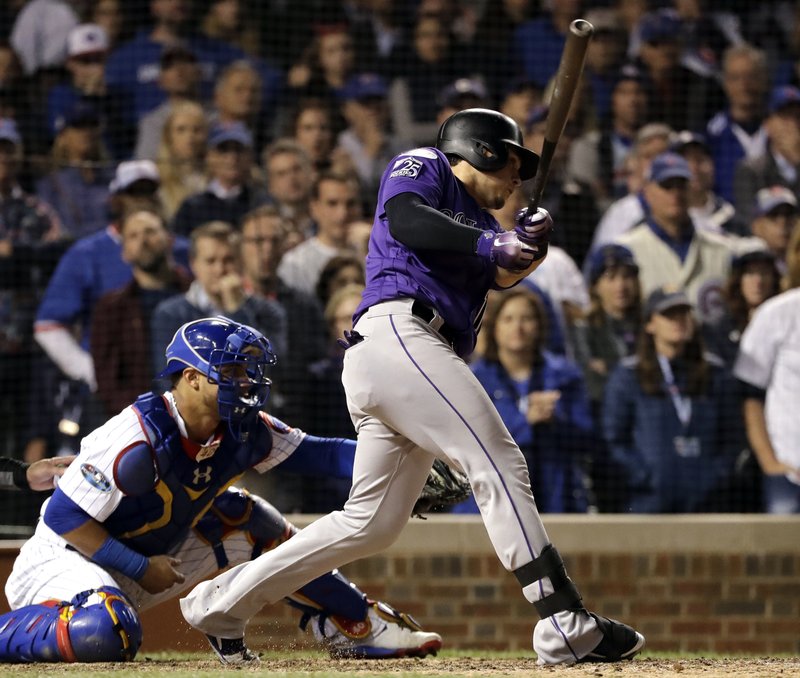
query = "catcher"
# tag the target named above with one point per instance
(148, 510)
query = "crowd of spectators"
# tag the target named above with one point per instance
(172, 159)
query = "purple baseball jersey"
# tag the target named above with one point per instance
(455, 284)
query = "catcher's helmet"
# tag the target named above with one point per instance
(230, 354)
(482, 137)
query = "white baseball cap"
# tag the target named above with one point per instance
(131, 171)
(87, 39)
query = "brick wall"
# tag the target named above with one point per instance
(703, 583)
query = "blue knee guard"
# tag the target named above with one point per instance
(98, 625)
(237, 509)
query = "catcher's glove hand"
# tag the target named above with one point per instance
(445, 487)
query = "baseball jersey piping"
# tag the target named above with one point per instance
(553, 620)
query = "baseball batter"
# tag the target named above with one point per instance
(147, 510)
(434, 253)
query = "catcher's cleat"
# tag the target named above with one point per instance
(233, 651)
(384, 634)
(619, 642)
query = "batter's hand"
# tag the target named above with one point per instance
(161, 574)
(42, 474)
(534, 228)
(505, 250)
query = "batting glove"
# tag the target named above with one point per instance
(534, 228)
(505, 250)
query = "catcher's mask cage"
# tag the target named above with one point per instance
(484, 138)
(233, 356)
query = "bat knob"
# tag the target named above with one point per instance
(581, 28)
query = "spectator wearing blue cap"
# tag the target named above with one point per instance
(671, 416)
(518, 98)
(630, 210)
(368, 139)
(607, 331)
(709, 211)
(736, 132)
(76, 185)
(231, 191)
(779, 164)
(679, 96)
(668, 247)
(598, 158)
(776, 218)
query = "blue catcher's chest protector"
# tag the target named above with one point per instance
(158, 520)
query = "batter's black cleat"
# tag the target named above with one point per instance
(233, 651)
(620, 642)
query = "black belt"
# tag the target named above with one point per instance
(426, 313)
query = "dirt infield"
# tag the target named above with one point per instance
(432, 667)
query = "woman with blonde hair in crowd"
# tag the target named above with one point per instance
(181, 155)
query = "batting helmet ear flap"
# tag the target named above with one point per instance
(484, 139)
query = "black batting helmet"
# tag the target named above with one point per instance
(482, 137)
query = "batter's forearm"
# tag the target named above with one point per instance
(504, 278)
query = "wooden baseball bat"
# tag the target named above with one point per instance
(567, 78)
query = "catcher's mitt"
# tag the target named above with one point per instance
(445, 487)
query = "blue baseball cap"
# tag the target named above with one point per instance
(782, 97)
(680, 140)
(630, 71)
(767, 199)
(659, 27)
(364, 86)
(9, 131)
(463, 88)
(80, 114)
(235, 132)
(664, 299)
(668, 166)
(610, 256)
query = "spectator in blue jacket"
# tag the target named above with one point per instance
(671, 416)
(541, 398)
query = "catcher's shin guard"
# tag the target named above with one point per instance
(565, 595)
(332, 594)
(237, 509)
(98, 625)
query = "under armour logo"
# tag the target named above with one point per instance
(204, 475)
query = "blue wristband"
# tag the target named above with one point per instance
(113, 553)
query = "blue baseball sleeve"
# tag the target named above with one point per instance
(63, 515)
(329, 457)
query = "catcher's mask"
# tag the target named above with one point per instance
(484, 138)
(231, 355)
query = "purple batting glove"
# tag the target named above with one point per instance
(506, 250)
(534, 228)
